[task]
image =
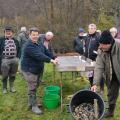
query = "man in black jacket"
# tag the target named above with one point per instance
(33, 57)
(9, 52)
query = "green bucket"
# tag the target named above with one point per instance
(51, 101)
(52, 90)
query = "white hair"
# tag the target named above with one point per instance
(49, 33)
(23, 29)
(113, 29)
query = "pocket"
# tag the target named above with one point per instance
(4, 62)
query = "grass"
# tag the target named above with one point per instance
(13, 106)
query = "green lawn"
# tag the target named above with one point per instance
(13, 106)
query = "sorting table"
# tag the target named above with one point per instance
(72, 64)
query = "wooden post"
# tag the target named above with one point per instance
(96, 108)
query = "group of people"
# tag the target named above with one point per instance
(87, 45)
(31, 51)
(104, 49)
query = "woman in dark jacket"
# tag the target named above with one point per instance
(79, 42)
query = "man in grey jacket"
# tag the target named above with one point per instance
(108, 63)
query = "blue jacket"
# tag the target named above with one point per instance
(33, 57)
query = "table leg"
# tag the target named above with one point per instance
(72, 75)
(54, 73)
(61, 91)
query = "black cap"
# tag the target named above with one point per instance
(8, 27)
(106, 37)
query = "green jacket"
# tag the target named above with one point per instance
(103, 64)
(22, 39)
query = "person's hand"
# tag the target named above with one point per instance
(54, 61)
(94, 88)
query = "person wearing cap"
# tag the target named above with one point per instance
(79, 41)
(33, 57)
(9, 53)
(108, 63)
(46, 40)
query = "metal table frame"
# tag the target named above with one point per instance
(78, 69)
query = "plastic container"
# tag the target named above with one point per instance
(87, 96)
(52, 90)
(51, 101)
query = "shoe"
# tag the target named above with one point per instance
(4, 85)
(30, 106)
(12, 89)
(4, 91)
(36, 110)
(32, 103)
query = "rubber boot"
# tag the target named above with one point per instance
(110, 112)
(4, 81)
(11, 83)
(4, 90)
(30, 103)
(35, 108)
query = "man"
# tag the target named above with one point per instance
(9, 52)
(108, 63)
(22, 37)
(33, 57)
(91, 46)
(113, 32)
(79, 42)
(46, 40)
